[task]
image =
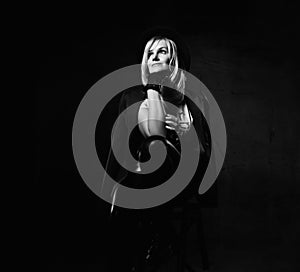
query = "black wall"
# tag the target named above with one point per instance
(246, 55)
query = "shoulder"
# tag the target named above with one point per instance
(132, 92)
(196, 101)
(133, 95)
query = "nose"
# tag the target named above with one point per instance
(155, 57)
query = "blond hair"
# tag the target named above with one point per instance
(177, 76)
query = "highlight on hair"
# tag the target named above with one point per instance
(177, 76)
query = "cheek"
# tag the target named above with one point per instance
(166, 59)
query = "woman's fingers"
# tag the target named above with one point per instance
(171, 117)
(184, 126)
(171, 123)
(168, 127)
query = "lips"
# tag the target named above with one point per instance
(156, 64)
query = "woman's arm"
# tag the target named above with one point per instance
(151, 115)
(117, 144)
(143, 118)
(156, 116)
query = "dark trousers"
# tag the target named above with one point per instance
(137, 237)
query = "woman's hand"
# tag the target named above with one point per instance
(174, 123)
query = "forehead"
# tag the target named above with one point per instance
(159, 44)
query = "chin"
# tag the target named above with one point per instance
(157, 69)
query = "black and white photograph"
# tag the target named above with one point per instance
(167, 137)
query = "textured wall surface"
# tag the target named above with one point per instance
(249, 65)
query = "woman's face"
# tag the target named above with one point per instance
(158, 57)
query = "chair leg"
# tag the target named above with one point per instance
(202, 243)
(182, 244)
(181, 258)
(189, 268)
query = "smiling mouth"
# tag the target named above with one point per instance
(156, 64)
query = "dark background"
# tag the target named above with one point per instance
(246, 54)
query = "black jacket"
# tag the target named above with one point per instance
(133, 97)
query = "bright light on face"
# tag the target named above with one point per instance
(158, 56)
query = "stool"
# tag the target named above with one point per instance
(187, 219)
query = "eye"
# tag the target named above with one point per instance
(163, 51)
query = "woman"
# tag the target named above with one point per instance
(163, 113)
(160, 65)
(160, 59)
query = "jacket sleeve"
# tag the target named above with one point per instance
(205, 136)
(118, 141)
(199, 110)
